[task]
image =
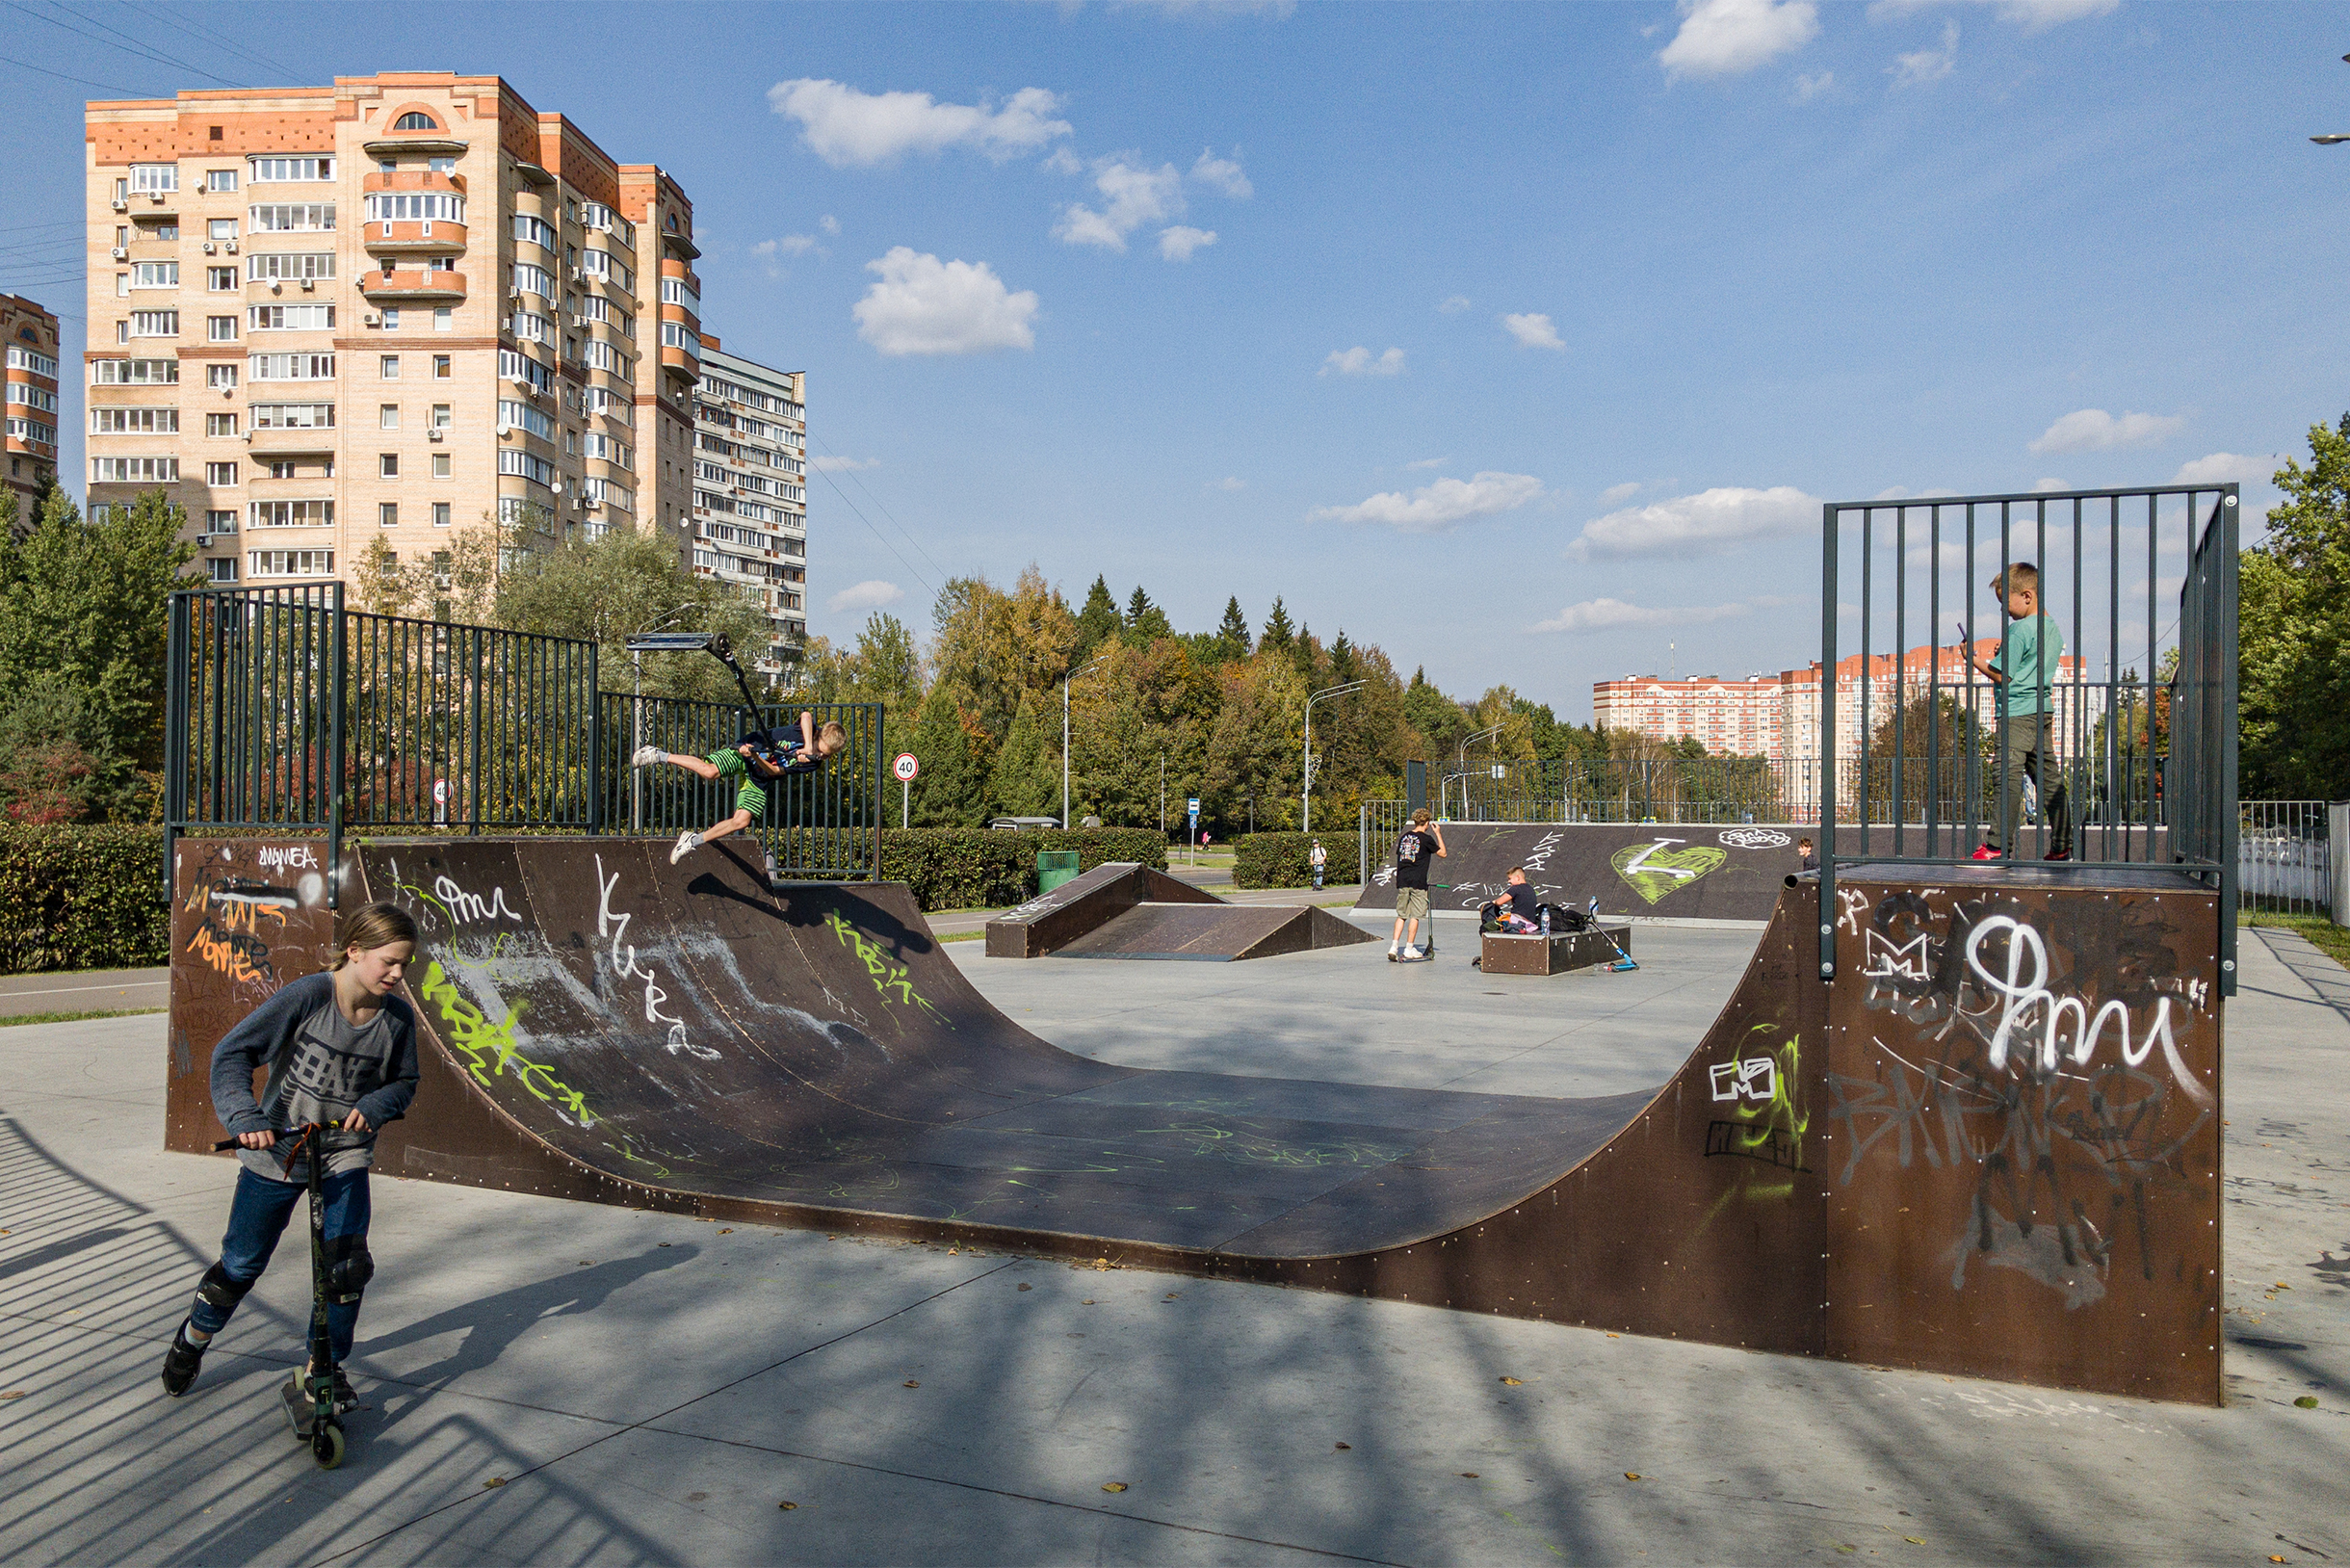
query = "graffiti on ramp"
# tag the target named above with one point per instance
(1658, 868)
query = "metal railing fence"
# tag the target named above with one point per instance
(2285, 857)
(2136, 720)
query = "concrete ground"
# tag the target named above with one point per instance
(545, 1387)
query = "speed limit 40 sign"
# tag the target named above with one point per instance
(904, 768)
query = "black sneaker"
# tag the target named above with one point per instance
(181, 1363)
(344, 1398)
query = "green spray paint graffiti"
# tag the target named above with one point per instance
(1765, 1122)
(1654, 870)
(891, 979)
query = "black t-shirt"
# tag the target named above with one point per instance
(1522, 899)
(1414, 853)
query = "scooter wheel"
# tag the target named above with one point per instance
(326, 1446)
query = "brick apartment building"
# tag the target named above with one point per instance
(387, 308)
(750, 488)
(31, 383)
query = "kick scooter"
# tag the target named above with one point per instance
(309, 1399)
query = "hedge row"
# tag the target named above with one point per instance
(966, 868)
(81, 898)
(1285, 859)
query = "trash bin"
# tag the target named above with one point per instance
(1055, 867)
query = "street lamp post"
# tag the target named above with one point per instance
(1306, 780)
(1462, 770)
(1064, 735)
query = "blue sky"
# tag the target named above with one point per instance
(1529, 339)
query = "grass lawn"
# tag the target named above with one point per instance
(2327, 938)
(74, 1018)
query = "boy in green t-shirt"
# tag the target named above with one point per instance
(760, 759)
(2024, 670)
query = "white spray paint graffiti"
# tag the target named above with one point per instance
(464, 907)
(1854, 904)
(2024, 998)
(1753, 838)
(1756, 1077)
(1889, 960)
(1538, 858)
(1639, 862)
(615, 928)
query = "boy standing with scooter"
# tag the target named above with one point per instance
(341, 1054)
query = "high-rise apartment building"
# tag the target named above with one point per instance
(750, 488)
(389, 309)
(31, 376)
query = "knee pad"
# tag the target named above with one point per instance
(220, 1291)
(348, 1268)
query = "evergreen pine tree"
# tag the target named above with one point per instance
(952, 789)
(1232, 636)
(1146, 623)
(1026, 780)
(1278, 633)
(1098, 621)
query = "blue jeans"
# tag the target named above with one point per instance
(258, 1217)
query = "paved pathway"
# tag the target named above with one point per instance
(650, 1389)
(87, 990)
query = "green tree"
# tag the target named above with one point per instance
(89, 603)
(2293, 644)
(952, 791)
(1001, 646)
(1278, 632)
(884, 666)
(1232, 633)
(1440, 721)
(602, 589)
(1026, 779)
(1146, 623)
(1098, 621)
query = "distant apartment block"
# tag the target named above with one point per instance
(31, 380)
(389, 309)
(750, 488)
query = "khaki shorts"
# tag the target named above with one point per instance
(1411, 903)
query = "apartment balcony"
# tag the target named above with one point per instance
(411, 286)
(681, 362)
(434, 236)
(413, 179)
(287, 443)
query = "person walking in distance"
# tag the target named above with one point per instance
(1421, 847)
(1320, 857)
(2023, 670)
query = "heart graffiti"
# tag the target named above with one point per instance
(1656, 868)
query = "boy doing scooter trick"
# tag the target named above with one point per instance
(758, 759)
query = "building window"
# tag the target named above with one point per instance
(440, 514)
(221, 328)
(441, 367)
(281, 468)
(444, 318)
(221, 228)
(291, 318)
(440, 465)
(387, 464)
(388, 367)
(220, 522)
(414, 207)
(293, 416)
(154, 178)
(387, 513)
(219, 424)
(221, 279)
(441, 416)
(215, 376)
(388, 417)
(271, 171)
(290, 514)
(279, 265)
(220, 475)
(414, 122)
(219, 179)
(134, 470)
(223, 569)
(155, 275)
(292, 562)
(293, 367)
(111, 420)
(290, 218)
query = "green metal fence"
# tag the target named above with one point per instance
(287, 711)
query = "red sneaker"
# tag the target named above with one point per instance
(2057, 855)
(1988, 853)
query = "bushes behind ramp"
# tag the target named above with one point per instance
(966, 868)
(82, 897)
(1284, 859)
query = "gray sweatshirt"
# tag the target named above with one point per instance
(321, 1068)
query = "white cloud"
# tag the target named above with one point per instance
(1728, 38)
(866, 595)
(2093, 430)
(1715, 519)
(1611, 615)
(1178, 243)
(1229, 485)
(1131, 198)
(1533, 332)
(2051, 485)
(1453, 305)
(1222, 174)
(1428, 462)
(843, 465)
(2228, 468)
(1062, 161)
(1440, 507)
(1927, 65)
(1358, 361)
(829, 223)
(2032, 16)
(1807, 87)
(1614, 493)
(849, 129)
(923, 305)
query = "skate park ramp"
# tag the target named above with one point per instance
(1676, 871)
(1120, 910)
(1991, 1146)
